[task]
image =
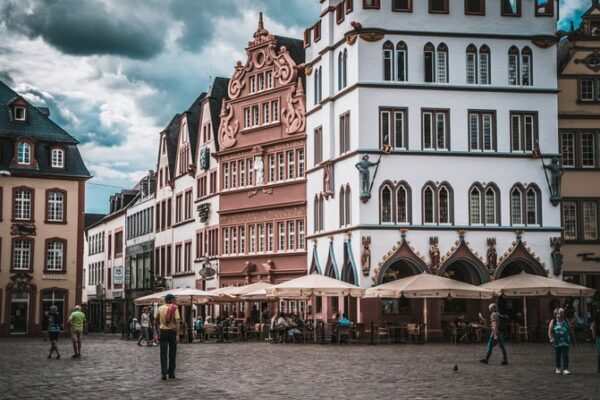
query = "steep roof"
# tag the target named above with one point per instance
(193, 118)
(218, 93)
(172, 133)
(294, 46)
(91, 219)
(43, 131)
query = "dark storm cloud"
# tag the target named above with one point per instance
(89, 27)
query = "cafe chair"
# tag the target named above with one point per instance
(383, 333)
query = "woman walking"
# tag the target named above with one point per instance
(559, 334)
(54, 326)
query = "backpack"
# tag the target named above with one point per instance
(503, 321)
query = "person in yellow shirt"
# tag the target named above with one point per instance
(167, 318)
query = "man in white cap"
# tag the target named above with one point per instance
(77, 322)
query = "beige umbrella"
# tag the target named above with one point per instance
(425, 286)
(184, 296)
(528, 285)
(314, 284)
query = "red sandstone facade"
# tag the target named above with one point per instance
(262, 206)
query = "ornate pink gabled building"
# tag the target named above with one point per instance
(262, 206)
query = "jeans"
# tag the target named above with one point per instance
(145, 335)
(168, 345)
(562, 352)
(492, 343)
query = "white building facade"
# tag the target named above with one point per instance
(453, 98)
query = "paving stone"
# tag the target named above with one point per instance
(111, 368)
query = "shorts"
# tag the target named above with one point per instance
(53, 335)
(76, 334)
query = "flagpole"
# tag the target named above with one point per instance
(386, 150)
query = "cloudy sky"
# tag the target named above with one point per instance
(114, 72)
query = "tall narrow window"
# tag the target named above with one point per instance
(435, 129)
(388, 61)
(342, 207)
(270, 238)
(247, 121)
(291, 164)
(291, 235)
(531, 207)
(22, 254)
(428, 214)
(569, 209)
(55, 255)
(386, 204)
(251, 239)
(316, 213)
(524, 131)
(344, 133)
(55, 206)
(471, 65)
(348, 205)
(345, 70)
(402, 205)
(516, 132)
(272, 176)
(281, 234)
(340, 70)
(393, 128)
(511, 8)
(481, 131)
(442, 63)
(318, 148)
(280, 166)
(401, 62)
(526, 67)
(58, 158)
(266, 113)
(301, 235)
(513, 66)
(516, 207)
(275, 111)
(300, 157)
(590, 220)
(444, 205)
(475, 206)
(484, 65)
(587, 88)
(491, 207)
(23, 199)
(475, 7)
(588, 150)
(429, 54)
(428, 135)
(567, 149)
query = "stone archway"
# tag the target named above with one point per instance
(400, 253)
(520, 259)
(464, 266)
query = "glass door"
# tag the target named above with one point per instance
(19, 313)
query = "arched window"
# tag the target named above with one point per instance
(401, 62)
(444, 205)
(386, 204)
(316, 213)
(340, 69)
(388, 61)
(513, 66)
(491, 206)
(516, 207)
(345, 70)
(485, 72)
(531, 207)
(471, 64)
(526, 67)
(318, 85)
(402, 195)
(23, 153)
(428, 214)
(348, 205)
(475, 206)
(342, 207)
(442, 63)
(429, 54)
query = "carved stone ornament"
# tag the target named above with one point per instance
(434, 254)
(328, 184)
(21, 280)
(543, 43)
(205, 158)
(557, 256)
(22, 230)
(228, 129)
(351, 39)
(371, 36)
(293, 115)
(492, 256)
(365, 255)
(203, 210)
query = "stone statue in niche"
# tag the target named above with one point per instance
(365, 176)
(204, 158)
(492, 256)
(259, 168)
(434, 253)
(557, 256)
(365, 257)
(328, 184)
(556, 171)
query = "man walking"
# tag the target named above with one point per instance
(496, 336)
(77, 321)
(168, 318)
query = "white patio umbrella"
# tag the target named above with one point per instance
(529, 285)
(425, 286)
(314, 284)
(184, 296)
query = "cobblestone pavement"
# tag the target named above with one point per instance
(111, 368)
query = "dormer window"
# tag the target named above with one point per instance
(20, 113)
(57, 158)
(23, 153)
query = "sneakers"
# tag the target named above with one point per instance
(566, 372)
(483, 361)
(558, 371)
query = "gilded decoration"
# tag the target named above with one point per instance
(228, 129)
(328, 183)
(351, 39)
(434, 254)
(557, 256)
(293, 114)
(520, 250)
(308, 70)
(371, 37)
(492, 256)
(401, 249)
(365, 256)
